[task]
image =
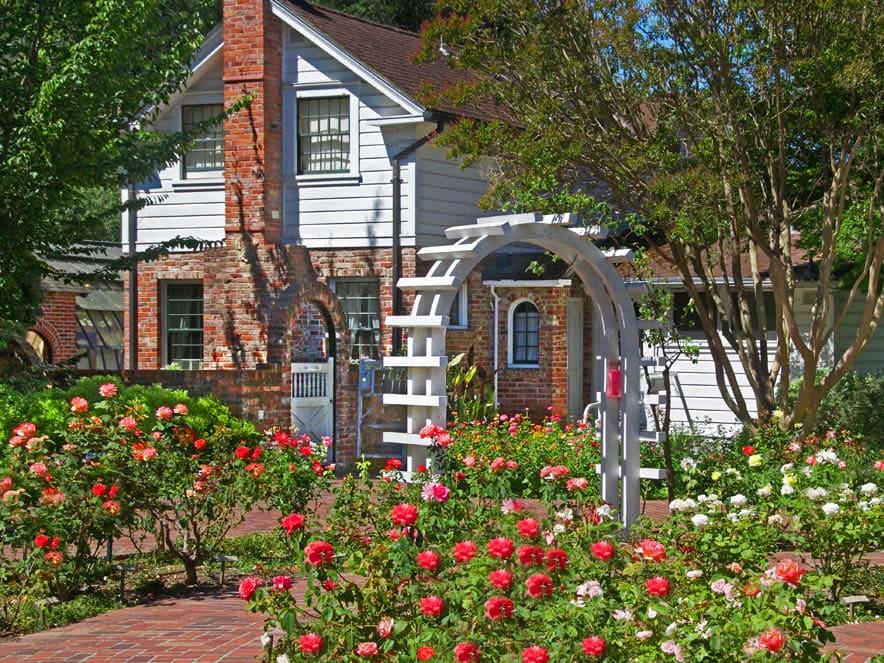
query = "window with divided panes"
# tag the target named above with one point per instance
(323, 135)
(525, 335)
(361, 303)
(183, 324)
(206, 150)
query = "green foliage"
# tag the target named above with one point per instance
(76, 82)
(470, 390)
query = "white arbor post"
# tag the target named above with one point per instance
(615, 339)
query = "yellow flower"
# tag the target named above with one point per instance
(716, 475)
(755, 460)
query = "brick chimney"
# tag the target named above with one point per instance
(253, 136)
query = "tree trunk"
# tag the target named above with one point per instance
(190, 566)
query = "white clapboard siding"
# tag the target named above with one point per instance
(350, 214)
(447, 195)
(190, 210)
(872, 359)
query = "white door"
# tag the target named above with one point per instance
(313, 393)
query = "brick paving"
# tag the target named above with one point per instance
(213, 626)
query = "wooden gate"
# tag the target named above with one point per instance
(313, 397)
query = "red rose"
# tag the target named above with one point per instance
(539, 585)
(329, 585)
(247, 587)
(54, 558)
(292, 522)
(392, 464)
(501, 579)
(651, 550)
(464, 551)
(111, 507)
(242, 452)
(657, 586)
(432, 606)
(282, 583)
(99, 489)
(255, 469)
(467, 652)
(748, 450)
(556, 559)
(501, 547)
(529, 528)
(772, 640)
(41, 540)
(317, 553)
(53, 545)
(404, 514)
(789, 571)
(498, 607)
(114, 489)
(428, 560)
(256, 454)
(199, 444)
(310, 643)
(594, 646)
(530, 555)
(602, 550)
(535, 654)
(425, 653)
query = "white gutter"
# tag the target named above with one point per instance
(496, 307)
(525, 283)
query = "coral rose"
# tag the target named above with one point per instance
(404, 514)
(310, 643)
(292, 522)
(789, 571)
(772, 640)
(602, 550)
(501, 547)
(79, 405)
(467, 652)
(164, 412)
(108, 390)
(318, 553)
(432, 606)
(651, 550)
(282, 583)
(594, 646)
(539, 585)
(425, 653)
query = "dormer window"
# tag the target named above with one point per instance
(323, 135)
(206, 151)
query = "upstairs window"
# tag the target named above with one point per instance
(524, 336)
(183, 325)
(323, 135)
(360, 300)
(206, 151)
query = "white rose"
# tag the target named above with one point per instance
(868, 489)
(738, 500)
(786, 489)
(831, 509)
(765, 491)
(700, 520)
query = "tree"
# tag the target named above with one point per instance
(408, 14)
(78, 79)
(716, 129)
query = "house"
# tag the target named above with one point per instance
(319, 192)
(82, 312)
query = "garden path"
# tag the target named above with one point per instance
(213, 626)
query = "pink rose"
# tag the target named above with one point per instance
(428, 560)
(501, 547)
(464, 551)
(310, 643)
(594, 646)
(651, 550)
(292, 522)
(602, 550)
(79, 405)
(431, 606)
(128, 424)
(282, 583)
(180, 408)
(247, 587)
(367, 649)
(108, 390)
(657, 586)
(164, 412)
(535, 654)
(501, 579)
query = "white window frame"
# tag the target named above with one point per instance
(291, 166)
(197, 178)
(462, 302)
(509, 334)
(334, 284)
(164, 321)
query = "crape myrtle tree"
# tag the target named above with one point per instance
(408, 14)
(77, 83)
(737, 139)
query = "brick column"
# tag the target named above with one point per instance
(253, 135)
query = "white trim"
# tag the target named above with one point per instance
(396, 120)
(164, 322)
(512, 283)
(381, 84)
(509, 334)
(463, 308)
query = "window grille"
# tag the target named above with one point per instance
(184, 324)
(206, 150)
(360, 301)
(323, 135)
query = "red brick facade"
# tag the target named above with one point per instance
(57, 324)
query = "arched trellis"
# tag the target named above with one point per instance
(616, 338)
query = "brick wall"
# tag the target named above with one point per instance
(57, 323)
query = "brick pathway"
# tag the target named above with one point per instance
(213, 626)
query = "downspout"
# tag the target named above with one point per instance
(496, 306)
(131, 199)
(397, 222)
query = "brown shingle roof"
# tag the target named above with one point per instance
(390, 53)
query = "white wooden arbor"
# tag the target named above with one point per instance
(616, 338)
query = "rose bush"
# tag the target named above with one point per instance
(476, 579)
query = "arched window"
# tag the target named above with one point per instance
(40, 344)
(524, 334)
